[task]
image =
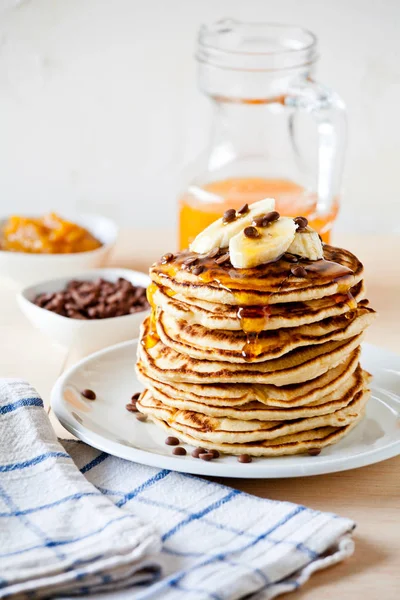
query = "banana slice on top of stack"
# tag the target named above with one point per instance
(257, 235)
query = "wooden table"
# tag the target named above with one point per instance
(370, 496)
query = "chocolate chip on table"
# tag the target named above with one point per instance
(179, 451)
(244, 210)
(265, 220)
(301, 223)
(197, 270)
(141, 417)
(98, 299)
(206, 456)
(314, 451)
(229, 215)
(172, 441)
(251, 232)
(166, 258)
(298, 271)
(197, 451)
(223, 258)
(131, 407)
(89, 394)
(244, 458)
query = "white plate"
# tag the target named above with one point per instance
(107, 425)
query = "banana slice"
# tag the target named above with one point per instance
(272, 241)
(218, 234)
(307, 245)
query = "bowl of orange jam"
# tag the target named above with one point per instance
(34, 248)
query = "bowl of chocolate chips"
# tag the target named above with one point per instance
(89, 311)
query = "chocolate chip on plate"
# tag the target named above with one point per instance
(215, 453)
(298, 271)
(89, 394)
(135, 396)
(141, 417)
(197, 451)
(179, 451)
(244, 209)
(244, 458)
(206, 456)
(131, 407)
(251, 232)
(229, 215)
(314, 451)
(172, 441)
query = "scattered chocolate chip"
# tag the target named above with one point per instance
(131, 407)
(290, 258)
(89, 394)
(197, 451)
(206, 456)
(223, 258)
(301, 223)
(244, 458)
(172, 441)
(141, 417)
(244, 210)
(251, 232)
(135, 396)
(213, 253)
(314, 451)
(198, 270)
(167, 258)
(98, 299)
(265, 220)
(179, 451)
(190, 261)
(215, 453)
(298, 271)
(229, 215)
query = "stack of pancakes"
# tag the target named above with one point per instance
(262, 361)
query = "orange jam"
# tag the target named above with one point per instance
(49, 234)
(201, 206)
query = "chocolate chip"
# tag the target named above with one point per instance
(198, 270)
(213, 253)
(206, 456)
(135, 396)
(301, 223)
(172, 441)
(251, 232)
(244, 458)
(229, 215)
(179, 451)
(223, 258)
(190, 261)
(290, 258)
(167, 258)
(89, 394)
(265, 220)
(141, 417)
(314, 451)
(244, 210)
(298, 271)
(197, 451)
(131, 407)
(215, 453)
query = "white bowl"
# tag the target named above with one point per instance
(83, 336)
(25, 268)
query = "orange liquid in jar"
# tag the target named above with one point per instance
(199, 207)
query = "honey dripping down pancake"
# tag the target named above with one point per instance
(253, 341)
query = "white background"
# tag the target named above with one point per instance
(99, 108)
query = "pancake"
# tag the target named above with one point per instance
(266, 284)
(237, 347)
(221, 316)
(295, 444)
(236, 394)
(237, 431)
(164, 363)
(338, 399)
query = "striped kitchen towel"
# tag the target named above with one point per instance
(68, 530)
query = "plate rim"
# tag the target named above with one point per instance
(319, 465)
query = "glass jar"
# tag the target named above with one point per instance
(275, 133)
